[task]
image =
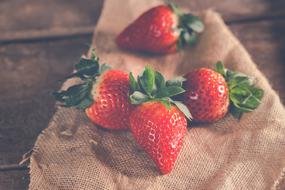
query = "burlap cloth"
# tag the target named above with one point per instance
(72, 153)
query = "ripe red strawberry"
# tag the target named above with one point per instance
(162, 29)
(207, 96)
(103, 94)
(158, 123)
(210, 94)
(111, 108)
(160, 132)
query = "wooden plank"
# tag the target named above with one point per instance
(14, 180)
(29, 73)
(22, 19)
(232, 10)
(13, 167)
(35, 19)
(265, 41)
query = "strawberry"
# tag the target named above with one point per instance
(103, 94)
(162, 29)
(158, 123)
(211, 94)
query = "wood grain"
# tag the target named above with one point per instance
(14, 180)
(13, 167)
(29, 73)
(232, 10)
(22, 19)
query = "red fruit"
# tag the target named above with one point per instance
(159, 131)
(111, 108)
(161, 29)
(153, 31)
(158, 123)
(211, 94)
(207, 95)
(102, 93)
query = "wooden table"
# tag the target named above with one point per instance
(41, 40)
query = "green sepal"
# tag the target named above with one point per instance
(244, 95)
(183, 108)
(190, 26)
(93, 56)
(221, 69)
(133, 83)
(169, 91)
(138, 98)
(257, 92)
(192, 22)
(178, 81)
(75, 96)
(159, 80)
(85, 103)
(188, 21)
(86, 68)
(84, 63)
(151, 86)
(236, 113)
(190, 39)
(147, 80)
(79, 95)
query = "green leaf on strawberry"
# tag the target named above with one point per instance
(193, 22)
(147, 80)
(79, 95)
(220, 68)
(183, 108)
(85, 69)
(169, 91)
(189, 26)
(151, 86)
(159, 80)
(244, 95)
(190, 39)
(133, 83)
(178, 81)
(138, 98)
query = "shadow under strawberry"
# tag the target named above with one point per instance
(119, 151)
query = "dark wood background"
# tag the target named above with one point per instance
(41, 40)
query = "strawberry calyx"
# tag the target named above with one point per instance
(79, 95)
(244, 95)
(190, 26)
(152, 86)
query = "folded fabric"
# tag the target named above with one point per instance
(72, 153)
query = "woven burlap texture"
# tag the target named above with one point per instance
(73, 154)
